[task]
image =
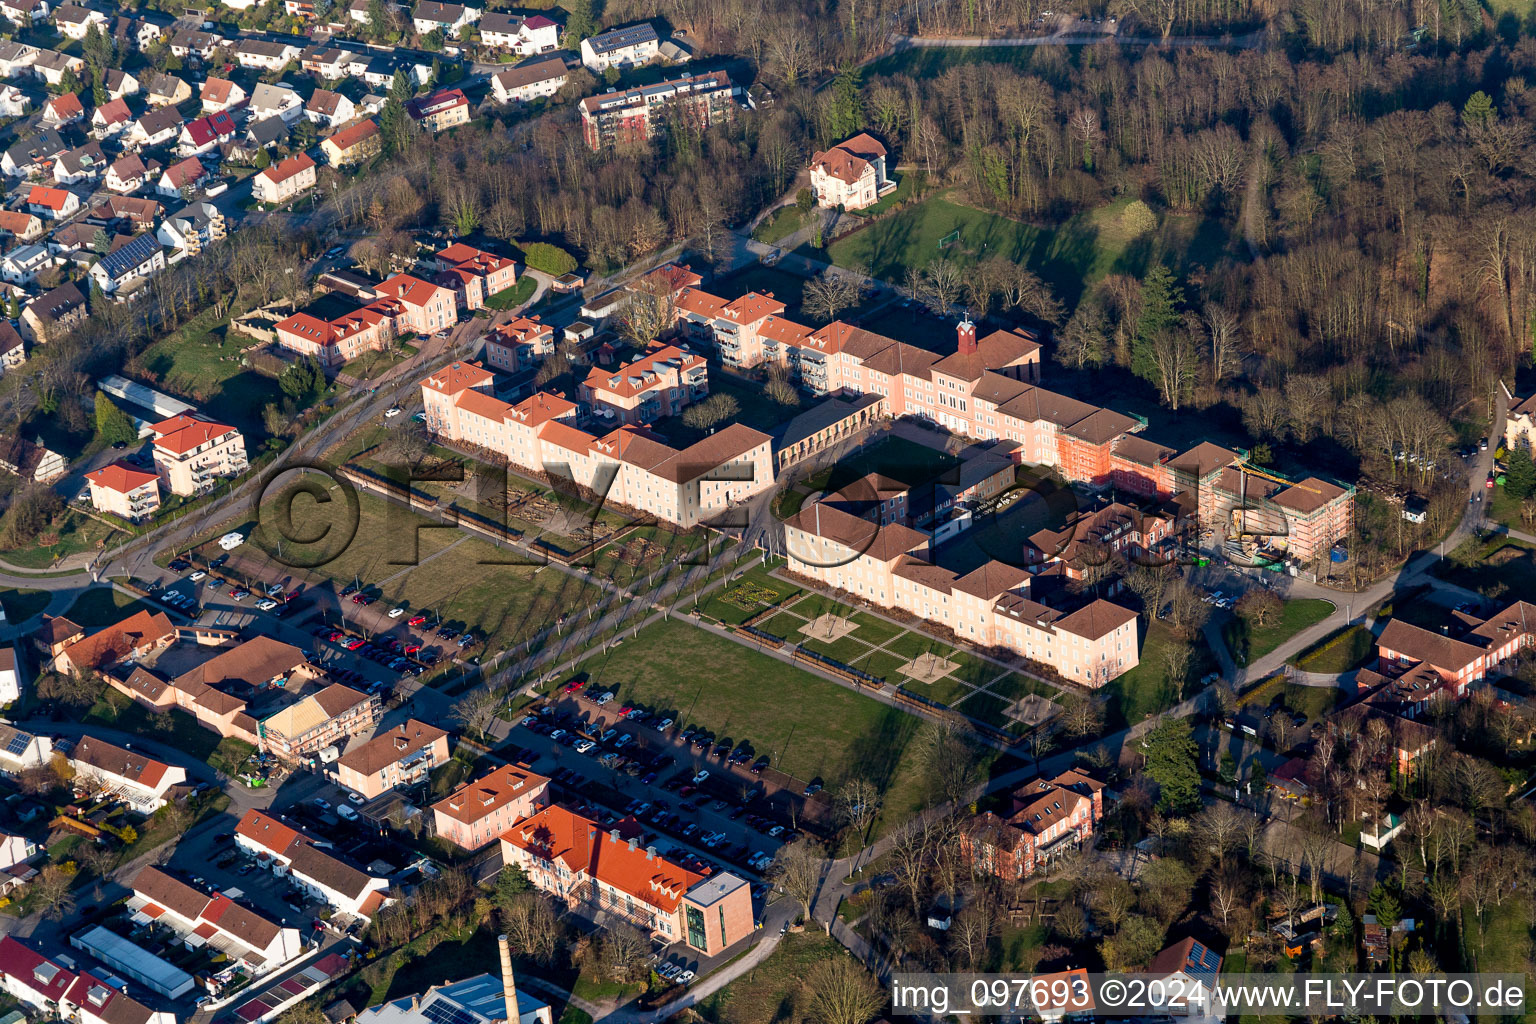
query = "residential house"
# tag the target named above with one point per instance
(205, 134)
(53, 313)
(194, 42)
(403, 755)
(192, 455)
(15, 58)
(156, 127)
(851, 175)
(440, 111)
(74, 21)
(124, 268)
(447, 18)
(635, 116)
(81, 235)
(23, 227)
(128, 174)
(131, 213)
(1418, 668)
(625, 47)
(283, 181)
(220, 94)
(13, 348)
(1048, 819)
(13, 102)
(266, 133)
(662, 383)
(213, 920)
(473, 274)
(51, 66)
(524, 36)
(192, 228)
(595, 871)
(320, 720)
(120, 84)
(124, 490)
(518, 344)
(52, 203)
(10, 693)
(15, 850)
(142, 782)
(352, 145)
(62, 109)
(182, 178)
(22, 264)
(24, 13)
(276, 101)
(85, 164)
(265, 55)
(329, 109)
(349, 891)
(111, 119)
(163, 90)
(478, 813)
(530, 80)
(31, 460)
(51, 989)
(33, 155)
(1192, 969)
(134, 637)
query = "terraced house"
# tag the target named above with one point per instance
(215, 921)
(635, 116)
(348, 890)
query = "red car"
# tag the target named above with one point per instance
(292, 595)
(572, 687)
(417, 620)
(334, 636)
(412, 648)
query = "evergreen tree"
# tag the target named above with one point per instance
(1520, 478)
(112, 424)
(846, 116)
(579, 22)
(1160, 301)
(395, 127)
(401, 88)
(1171, 763)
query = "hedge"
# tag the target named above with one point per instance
(551, 259)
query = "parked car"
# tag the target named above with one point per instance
(395, 613)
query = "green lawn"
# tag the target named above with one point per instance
(176, 728)
(21, 605)
(775, 991)
(1148, 688)
(755, 409)
(1312, 701)
(783, 222)
(645, 549)
(69, 534)
(370, 364)
(1248, 642)
(511, 298)
(811, 727)
(102, 606)
(1339, 651)
(748, 595)
(1083, 249)
(202, 362)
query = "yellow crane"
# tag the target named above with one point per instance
(1243, 467)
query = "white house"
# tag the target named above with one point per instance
(449, 19)
(276, 101)
(22, 750)
(523, 36)
(42, 984)
(308, 864)
(139, 259)
(13, 102)
(530, 80)
(625, 47)
(1189, 965)
(16, 850)
(139, 780)
(199, 918)
(10, 689)
(22, 265)
(74, 21)
(329, 109)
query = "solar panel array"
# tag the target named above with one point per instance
(440, 1011)
(19, 743)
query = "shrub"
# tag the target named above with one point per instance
(1138, 218)
(551, 259)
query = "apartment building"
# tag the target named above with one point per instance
(125, 491)
(320, 720)
(478, 813)
(285, 180)
(662, 383)
(139, 780)
(352, 145)
(199, 919)
(275, 844)
(400, 756)
(627, 47)
(53, 313)
(635, 116)
(628, 465)
(736, 328)
(1049, 818)
(50, 989)
(524, 36)
(591, 870)
(851, 174)
(192, 455)
(1417, 668)
(991, 606)
(440, 111)
(518, 344)
(1089, 536)
(192, 228)
(415, 305)
(472, 274)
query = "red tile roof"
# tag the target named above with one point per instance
(120, 477)
(53, 198)
(181, 434)
(293, 166)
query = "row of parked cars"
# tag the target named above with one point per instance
(386, 651)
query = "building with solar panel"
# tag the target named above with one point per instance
(477, 1000)
(1191, 962)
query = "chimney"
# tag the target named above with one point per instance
(613, 835)
(967, 337)
(508, 982)
(633, 843)
(650, 853)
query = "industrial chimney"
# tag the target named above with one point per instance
(508, 982)
(966, 333)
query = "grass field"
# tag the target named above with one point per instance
(646, 549)
(1339, 651)
(1249, 642)
(21, 605)
(811, 728)
(738, 601)
(370, 364)
(1147, 689)
(783, 222)
(72, 533)
(774, 992)
(423, 566)
(202, 362)
(511, 298)
(1082, 250)
(102, 606)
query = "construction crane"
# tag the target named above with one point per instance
(1243, 468)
